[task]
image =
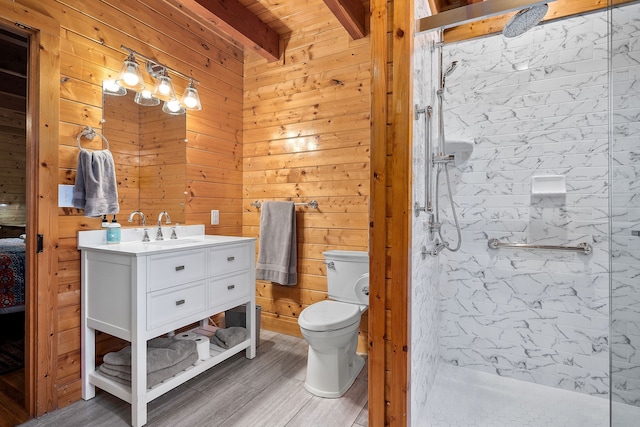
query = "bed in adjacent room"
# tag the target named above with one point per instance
(12, 275)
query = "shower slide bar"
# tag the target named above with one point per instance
(583, 248)
(313, 204)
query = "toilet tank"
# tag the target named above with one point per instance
(348, 276)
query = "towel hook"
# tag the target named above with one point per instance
(89, 133)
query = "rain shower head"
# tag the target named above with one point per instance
(524, 20)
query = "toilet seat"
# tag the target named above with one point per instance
(329, 316)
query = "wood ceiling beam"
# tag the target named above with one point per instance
(238, 22)
(351, 15)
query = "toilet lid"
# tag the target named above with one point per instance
(328, 316)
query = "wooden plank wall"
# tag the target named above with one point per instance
(307, 136)
(90, 52)
(13, 166)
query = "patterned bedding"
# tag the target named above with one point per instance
(12, 272)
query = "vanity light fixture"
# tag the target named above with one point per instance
(191, 98)
(144, 97)
(130, 75)
(110, 87)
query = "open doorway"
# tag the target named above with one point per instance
(13, 220)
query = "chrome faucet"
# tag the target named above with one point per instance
(145, 238)
(159, 233)
(134, 213)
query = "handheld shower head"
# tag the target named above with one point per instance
(450, 69)
(446, 73)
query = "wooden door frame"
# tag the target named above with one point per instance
(42, 123)
(391, 212)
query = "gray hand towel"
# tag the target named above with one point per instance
(162, 353)
(153, 378)
(229, 337)
(277, 258)
(96, 189)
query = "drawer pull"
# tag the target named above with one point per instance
(231, 258)
(230, 287)
(180, 302)
(180, 268)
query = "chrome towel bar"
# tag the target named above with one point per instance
(312, 204)
(583, 248)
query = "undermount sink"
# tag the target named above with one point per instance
(172, 242)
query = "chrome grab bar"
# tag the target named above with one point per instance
(583, 248)
(427, 148)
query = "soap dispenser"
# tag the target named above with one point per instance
(113, 231)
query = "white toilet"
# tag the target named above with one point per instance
(331, 326)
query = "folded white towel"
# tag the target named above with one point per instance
(96, 189)
(277, 258)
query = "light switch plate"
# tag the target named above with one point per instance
(215, 217)
(65, 196)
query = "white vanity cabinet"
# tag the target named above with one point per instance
(138, 291)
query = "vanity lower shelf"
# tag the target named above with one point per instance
(123, 391)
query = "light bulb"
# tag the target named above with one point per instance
(190, 101)
(164, 88)
(130, 78)
(173, 105)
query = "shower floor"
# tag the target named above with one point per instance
(463, 397)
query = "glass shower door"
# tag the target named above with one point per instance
(624, 176)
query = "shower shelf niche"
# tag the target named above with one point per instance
(460, 149)
(548, 185)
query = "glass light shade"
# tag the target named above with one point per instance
(173, 106)
(191, 98)
(110, 87)
(130, 75)
(164, 89)
(145, 98)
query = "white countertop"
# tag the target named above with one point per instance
(189, 237)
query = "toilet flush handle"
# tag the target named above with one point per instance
(330, 264)
(365, 290)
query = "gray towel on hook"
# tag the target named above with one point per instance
(96, 189)
(278, 258)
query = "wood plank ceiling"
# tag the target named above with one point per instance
(244, 25)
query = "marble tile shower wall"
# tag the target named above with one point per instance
(424, 293)
(625, 345)
(533, 105)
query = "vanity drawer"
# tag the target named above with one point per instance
(228, 289)
(167, 306)
(176, 268)
(228, 258)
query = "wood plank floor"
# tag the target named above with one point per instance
(266, 391)
(12, 408)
